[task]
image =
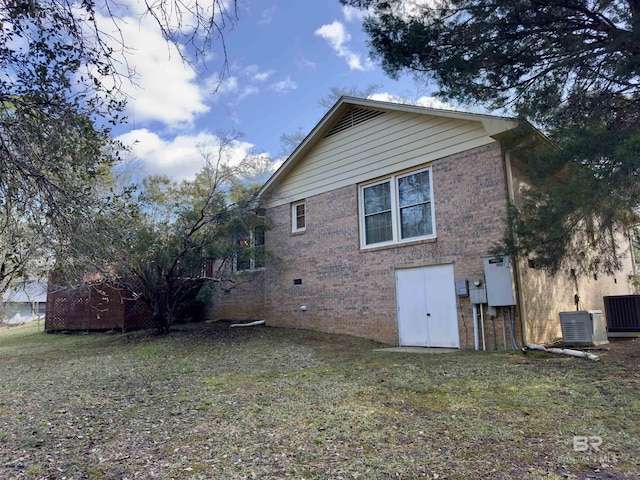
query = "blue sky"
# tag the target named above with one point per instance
(284, 56)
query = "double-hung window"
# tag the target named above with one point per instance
(397, 209)
(299, 217)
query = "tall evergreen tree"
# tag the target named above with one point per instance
(572, 68)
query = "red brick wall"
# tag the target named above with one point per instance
(242, 299)
(352, 291)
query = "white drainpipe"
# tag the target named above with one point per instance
(475, 327)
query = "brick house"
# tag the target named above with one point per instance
(380, 222)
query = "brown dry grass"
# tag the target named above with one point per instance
(210, 402)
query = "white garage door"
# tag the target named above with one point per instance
(427, 307)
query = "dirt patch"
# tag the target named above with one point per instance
(624, 352)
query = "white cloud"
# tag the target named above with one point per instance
(425, 101)
(178, 158)
(247, 81)
(353, 60)
(415, 8)
(232, 87)
(305, 64)
(166, 89)
(181, 157)
(433, 102)
(352, 13)
(252, 72)
(267, 16)
(247, 92)
(337, 36)
(284, 86)
(388, 97)
(262, 76)
(228, 85)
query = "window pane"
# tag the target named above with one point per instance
(377, 198)
(414, 189)
(378, 228)
(300, 216)
(416, 221)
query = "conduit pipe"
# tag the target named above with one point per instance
(504, 331)
(475, 327)
(484, 345)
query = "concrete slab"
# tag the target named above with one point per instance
(417, 350)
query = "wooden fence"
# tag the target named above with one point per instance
(94, 307)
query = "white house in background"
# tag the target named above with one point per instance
(24, 303)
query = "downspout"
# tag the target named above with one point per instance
(518, 275)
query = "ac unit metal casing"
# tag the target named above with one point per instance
(584, 327)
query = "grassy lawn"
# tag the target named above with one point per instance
(210, 402)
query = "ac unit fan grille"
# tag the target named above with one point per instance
(579, 331)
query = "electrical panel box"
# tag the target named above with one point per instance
(498, 272)
(462, 287)
(477, 289)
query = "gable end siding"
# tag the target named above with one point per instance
(380, 146)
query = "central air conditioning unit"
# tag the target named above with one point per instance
(584, 327)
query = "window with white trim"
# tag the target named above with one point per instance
(397, 209)
(299, 217)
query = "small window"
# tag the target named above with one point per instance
(299, 216)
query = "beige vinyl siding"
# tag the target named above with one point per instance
(386, 144)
